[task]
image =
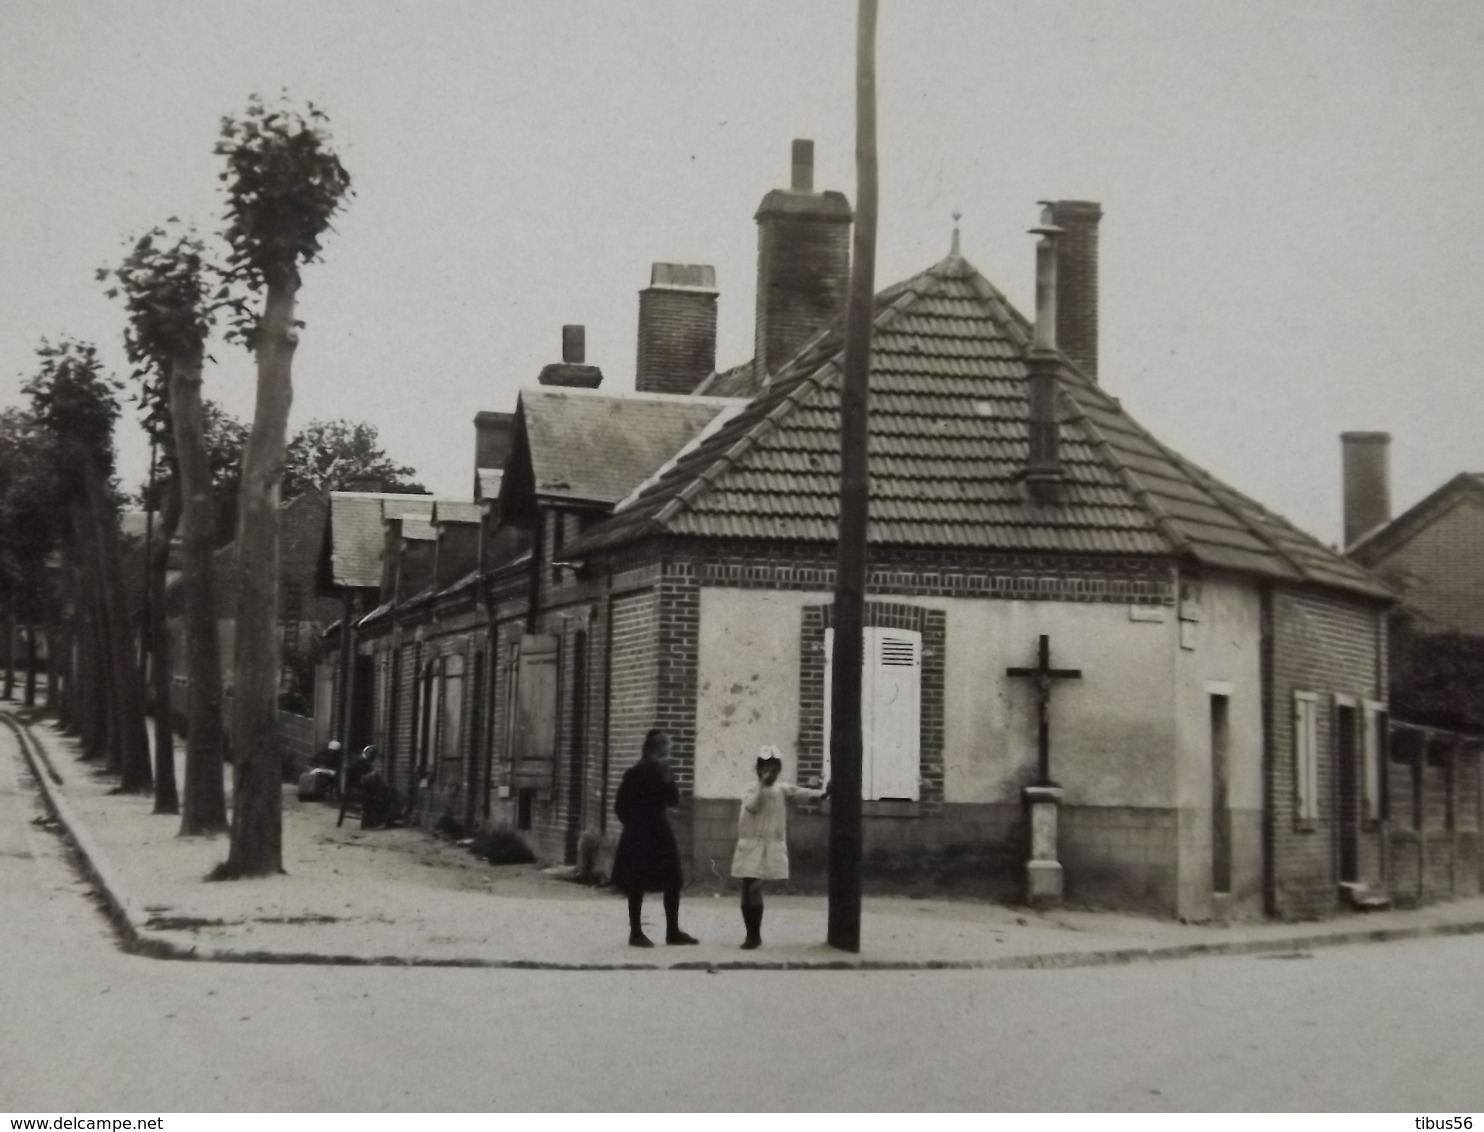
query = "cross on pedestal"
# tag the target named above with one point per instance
(1043, 674)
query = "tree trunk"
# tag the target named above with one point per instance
(131, 738)
(67, 606)
(167, 798)
(53, 644)
(95, 724)
(31, 661)
(10, 629)
(257, 817)
(205, 797)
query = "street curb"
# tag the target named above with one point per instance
(94, 864)
(138, 941)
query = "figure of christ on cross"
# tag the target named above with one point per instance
(1043, 674)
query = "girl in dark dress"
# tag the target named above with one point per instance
(648, 860)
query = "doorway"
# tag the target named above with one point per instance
(1347, 795)
(1221, 818)
(576, 757)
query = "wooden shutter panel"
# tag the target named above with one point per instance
(896, 714)
(535, 714)
(891, 712)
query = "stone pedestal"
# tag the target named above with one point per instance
(1043, 871)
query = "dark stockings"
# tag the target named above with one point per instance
(672, 911)
(752, 911)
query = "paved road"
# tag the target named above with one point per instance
(83, 1026)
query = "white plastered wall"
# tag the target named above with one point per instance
(1113, 731)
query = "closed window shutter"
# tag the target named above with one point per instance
(535, 716)
(1306, 755)
(891, 712)
(896, 707)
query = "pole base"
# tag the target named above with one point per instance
(1043, 884)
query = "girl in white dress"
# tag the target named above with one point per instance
(762, 837)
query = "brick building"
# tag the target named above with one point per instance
(1432, 556)
(667, 558)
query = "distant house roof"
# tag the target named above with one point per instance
(949, 439)
(1376, 544)
(457, 511)
(591, 447)
(357, 536)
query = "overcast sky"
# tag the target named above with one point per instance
(1292, 241)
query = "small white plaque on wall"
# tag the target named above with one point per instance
(1146, 613)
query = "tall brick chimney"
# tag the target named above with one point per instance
(803, 263)
(1365, 460)
(677, 328)
(572, 371)
(1077, 285)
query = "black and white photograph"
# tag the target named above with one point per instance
(741, 556)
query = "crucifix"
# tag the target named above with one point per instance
(1043, 674)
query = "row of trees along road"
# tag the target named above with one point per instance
(59, 504)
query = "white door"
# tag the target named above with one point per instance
(891, 712)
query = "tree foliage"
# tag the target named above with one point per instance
(332, 455)
(284, 183)
(78, 404)
(30, 495)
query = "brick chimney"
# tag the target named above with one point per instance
(1043, 470)
(1365, 459)
(571, 371)
(494, 436)
(677, 328)
(1077, 281)
(803, 263)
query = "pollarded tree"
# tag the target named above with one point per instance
(284, 184)
(166, 283)
(77, 403)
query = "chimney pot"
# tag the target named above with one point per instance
(1365, 459)
(574, 344)
(803, 166)
(1043, 471)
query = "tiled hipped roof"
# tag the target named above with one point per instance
(949, 439)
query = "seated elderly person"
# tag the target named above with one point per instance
(381, 804)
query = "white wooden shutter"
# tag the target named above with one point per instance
(1306, 755)
(895, 727)
(1373, 735)
(891, 712)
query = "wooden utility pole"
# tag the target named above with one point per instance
(850, 572)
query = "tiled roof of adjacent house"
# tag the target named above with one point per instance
(1376, 544)
(949, 438)
(596, 447)
(357, 536)
(457, 511)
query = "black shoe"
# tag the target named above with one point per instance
(679, 937)
(639, 939)
(752, 917)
